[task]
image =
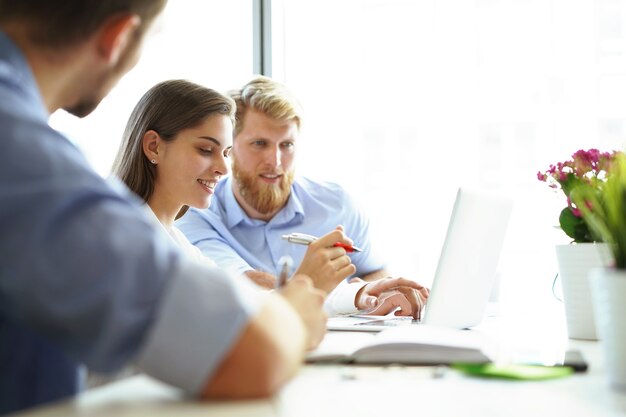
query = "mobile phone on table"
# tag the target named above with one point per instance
(572, 358)
(575, 360)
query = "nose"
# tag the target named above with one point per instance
(221, 167)
(273, 156)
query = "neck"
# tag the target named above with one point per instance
(57, 72)
(166, 213)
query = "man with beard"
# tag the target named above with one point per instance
(263, 200)
(85, 277)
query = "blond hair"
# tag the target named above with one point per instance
(267, 96)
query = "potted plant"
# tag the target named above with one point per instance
(585, 252)
(604, 210)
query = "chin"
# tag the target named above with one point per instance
(204, 204)
(82, 109)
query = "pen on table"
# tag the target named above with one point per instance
(285, 263)
(304, 239)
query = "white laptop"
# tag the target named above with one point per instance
(466, 270)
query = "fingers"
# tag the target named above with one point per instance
(341, 262)
(298, 283)
(325, 264)
(383, 285)
(406, 294)
(390, 284)
(415, 299)
(308, 302)
(325, 252)
(346, 271)
(330, 260)
(333, 237)
(368, 303)
(336, 258)
(391, 302)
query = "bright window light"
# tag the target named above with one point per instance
(407, 100)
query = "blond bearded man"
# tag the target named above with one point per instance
(264, 200)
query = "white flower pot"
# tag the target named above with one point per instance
(608, 288)
(575, 261)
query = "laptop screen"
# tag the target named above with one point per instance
(466, 270)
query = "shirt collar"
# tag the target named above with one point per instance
(15, 71)
(236, 215)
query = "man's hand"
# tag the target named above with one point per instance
(262, 279)
(325, 264)
(385, 295)
(308, 302)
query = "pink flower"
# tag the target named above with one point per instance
(587, 168)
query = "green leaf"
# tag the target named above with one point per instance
(604, 210)
(574, 227)
(571, 182)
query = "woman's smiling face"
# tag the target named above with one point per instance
(190, 166)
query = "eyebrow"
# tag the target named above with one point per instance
(288, 139)
(217, 142)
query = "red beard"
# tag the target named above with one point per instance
(264, 198)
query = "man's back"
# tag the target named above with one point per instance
(84, 277)
(45, 179)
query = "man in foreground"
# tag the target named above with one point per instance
(85, 278)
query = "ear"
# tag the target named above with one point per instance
(115, 35)
(151, 143)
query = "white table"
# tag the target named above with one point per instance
(340, 390)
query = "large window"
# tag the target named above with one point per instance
(406, 100)
(208, 42)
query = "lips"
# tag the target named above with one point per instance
(271, 178)
(209, 185)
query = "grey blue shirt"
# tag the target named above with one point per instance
(85, 277)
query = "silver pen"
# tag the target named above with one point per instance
(285, 263)
(304, 239)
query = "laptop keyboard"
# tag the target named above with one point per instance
(392, 321)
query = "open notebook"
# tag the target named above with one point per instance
(466, 270)
(415, 345)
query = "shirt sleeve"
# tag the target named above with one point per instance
(341, 299)
(201, 233)
(198, 321)
(83, 267)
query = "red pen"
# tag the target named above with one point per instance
(304, 239)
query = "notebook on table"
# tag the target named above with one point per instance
(412, 345)
(466, 269)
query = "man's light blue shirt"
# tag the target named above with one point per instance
(85, 278)
(226, 234)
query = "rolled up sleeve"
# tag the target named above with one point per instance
(202, 314)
